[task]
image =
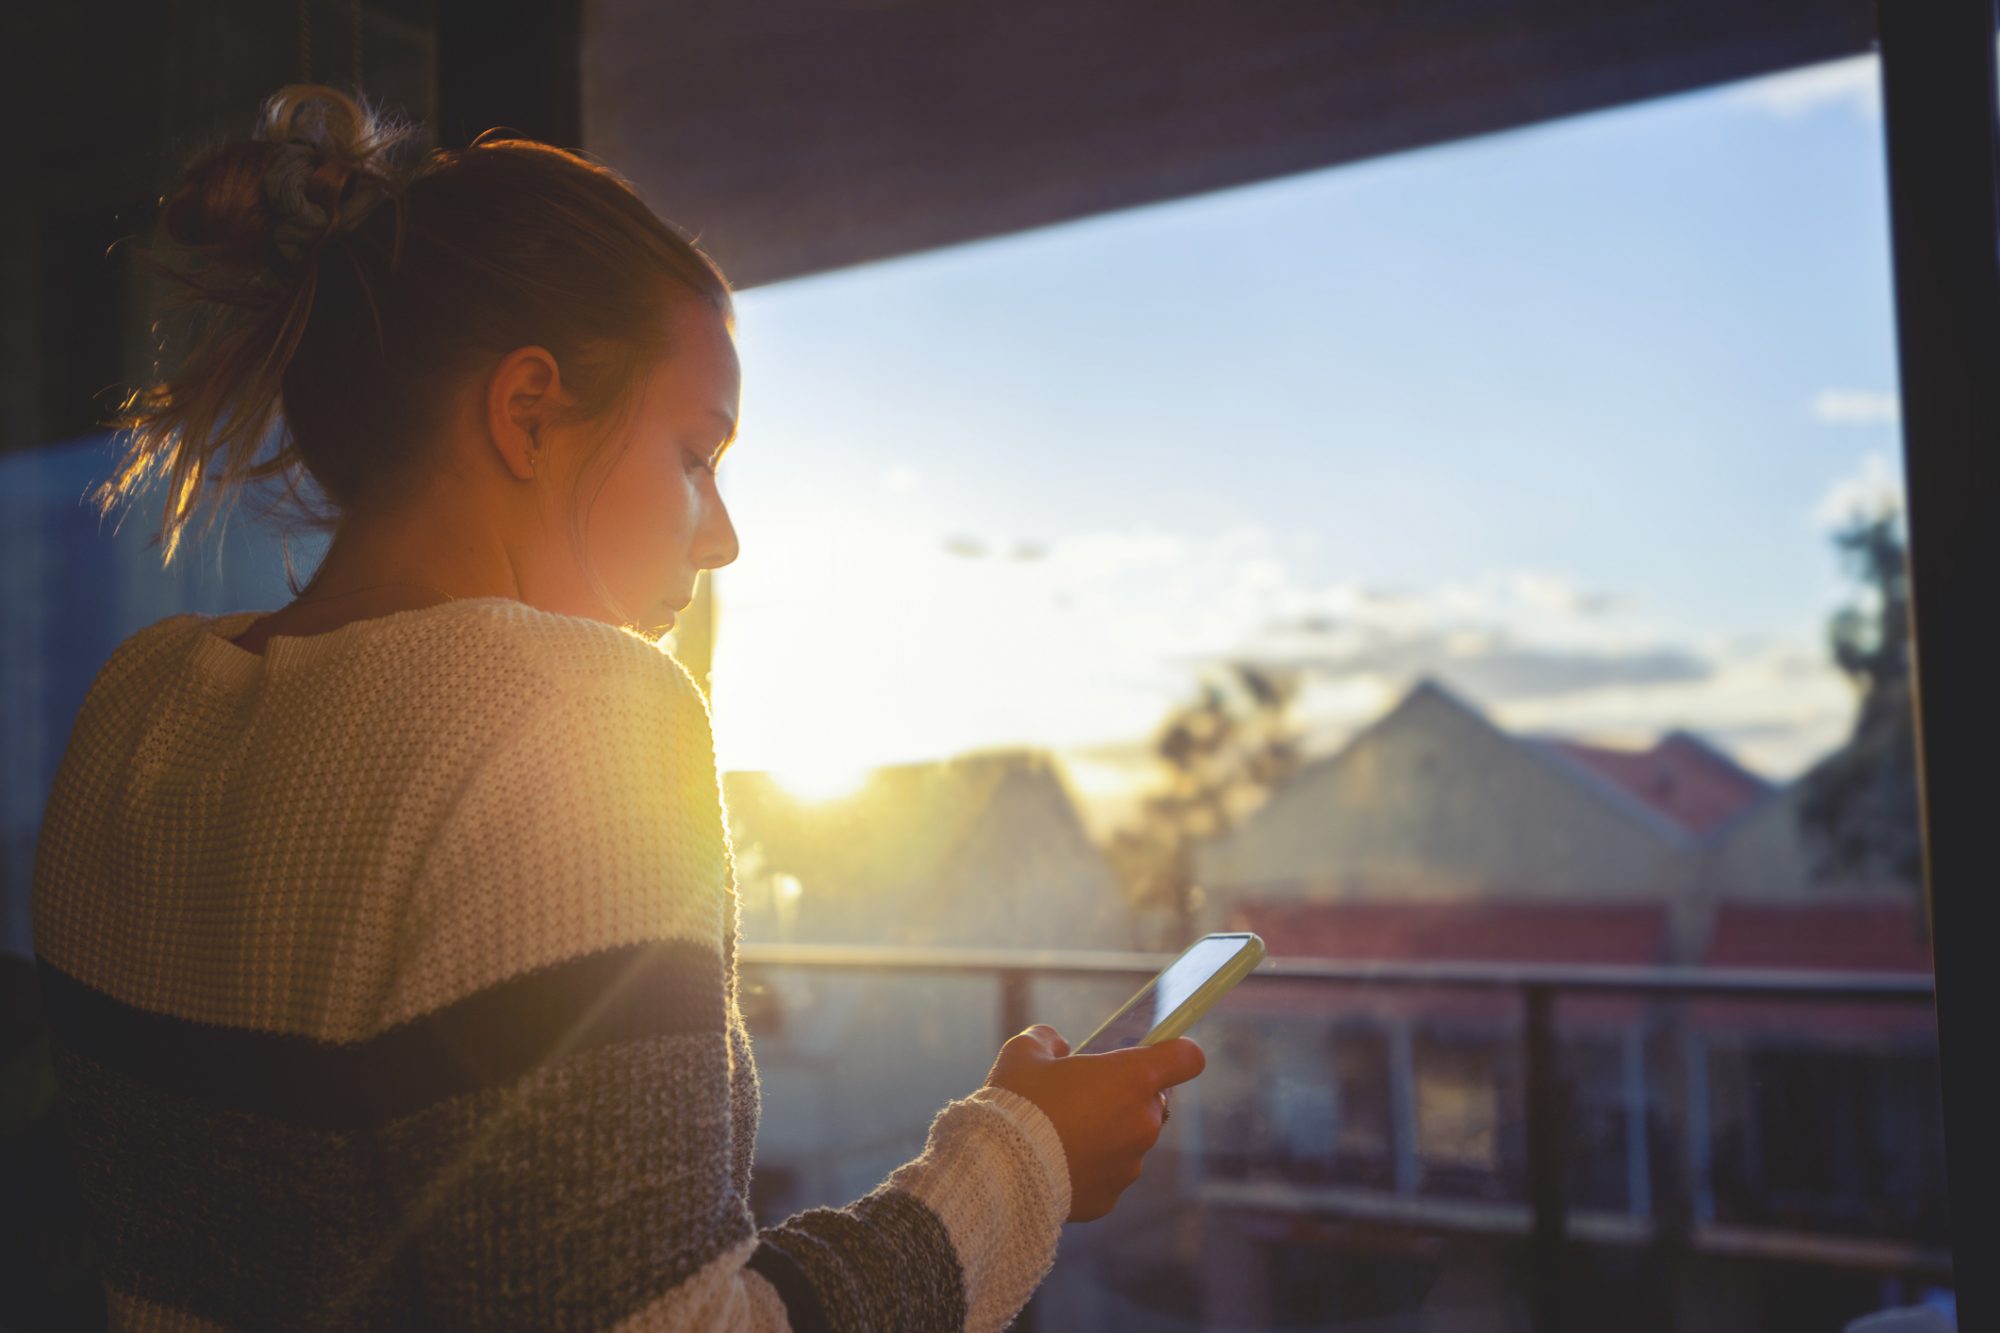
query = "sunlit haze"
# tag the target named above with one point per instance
(1562, 416)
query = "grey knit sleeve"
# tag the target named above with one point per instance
(578, 1158)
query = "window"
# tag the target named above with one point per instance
(1425, 563)
(1478, 565)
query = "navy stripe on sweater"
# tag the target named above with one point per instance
(885, 1261)
(570, 1199)
(485, 1040)
(803, 1310)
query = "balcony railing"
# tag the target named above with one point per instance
(1547, 1221)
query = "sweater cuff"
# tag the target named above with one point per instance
(995, 1175)
(1040, 1132)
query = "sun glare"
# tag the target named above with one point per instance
(817, 781)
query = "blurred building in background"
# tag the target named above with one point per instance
(1436, 837)
(984, 850)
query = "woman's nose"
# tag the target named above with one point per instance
(718, 545)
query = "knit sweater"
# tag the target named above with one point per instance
(391, 982)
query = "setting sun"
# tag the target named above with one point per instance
(816, 781)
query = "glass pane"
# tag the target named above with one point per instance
(1486, 561)
(1548, 483)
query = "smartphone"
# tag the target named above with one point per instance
(1185, 989)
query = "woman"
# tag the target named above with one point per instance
(389, 939)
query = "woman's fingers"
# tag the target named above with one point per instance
(1054, 1038)
(1044, 1038)
(1107, 1108)
(1158, 1066)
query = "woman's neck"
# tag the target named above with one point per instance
(420, 551)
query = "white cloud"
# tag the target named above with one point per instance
(870, 643)
(1776, 706)
(1856, 407)
(1104, 554)
(1876, 485)
(1549, 609)
(899, 480)
(1854, 83)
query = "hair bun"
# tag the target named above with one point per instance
(325, 174)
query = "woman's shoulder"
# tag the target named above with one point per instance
(469, 658)
(144, 650)
(576, 655)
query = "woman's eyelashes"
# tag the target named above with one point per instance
(700, 461)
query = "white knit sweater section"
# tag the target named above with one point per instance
(288, 843)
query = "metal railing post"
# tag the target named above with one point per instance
(1014, 985)
(1013, 1001)
(1547, 1128)
(1406, 1162)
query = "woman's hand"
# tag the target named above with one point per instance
(1106, 1108)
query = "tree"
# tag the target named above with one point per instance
(1859, 807)
(1223, 753)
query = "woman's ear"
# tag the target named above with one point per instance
(523, 394)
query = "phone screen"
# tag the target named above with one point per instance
(1167, 992)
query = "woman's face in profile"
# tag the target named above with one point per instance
(659, 520)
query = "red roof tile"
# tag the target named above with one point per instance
(1682, 778)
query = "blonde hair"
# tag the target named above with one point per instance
(326, 299)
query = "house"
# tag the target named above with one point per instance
(1435, 836)
(1435, 803)
(982, 850)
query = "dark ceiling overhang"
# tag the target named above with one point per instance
(795, 136)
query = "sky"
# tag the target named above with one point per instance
(1563, 417)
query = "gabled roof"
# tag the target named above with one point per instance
(1424, 707)
(1682, 777)
(1713, 789)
